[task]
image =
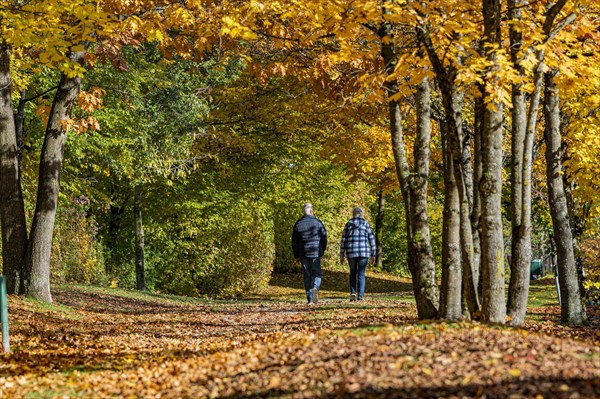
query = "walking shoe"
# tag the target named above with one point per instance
(352, 297)
(315, 295)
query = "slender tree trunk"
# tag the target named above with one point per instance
(115, 214)
(477, 176)
(417, 185)
(379, 229)
(19, 130)
(40, 243)
(424, 285)
(459, 150)
(572, 311)
(117, 206)
(284, 256)
(521, 264)
(461, 163)
(12, 208)
(465, 194)
(423, 275)
(524, 135)
(521, 230)
(451, 293)
(139, 240)
(578, 227)
(492, 240)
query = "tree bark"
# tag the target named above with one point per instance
(19, 131)
(40, 243)
(470, 274)
(423, 279)
(423, 275)
(577, 222)
(140, 271)
(379, 229)
(520, 259)
(459, 149)
(12, 208)
(417, 186)
(572, 311)
(492, 240)
(451, 293)
(479, 109)
(524, 135)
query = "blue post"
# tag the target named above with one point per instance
(4, 314)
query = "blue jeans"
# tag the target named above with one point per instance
(311, 267)
(358, 267)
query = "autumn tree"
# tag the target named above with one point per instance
(40, 36)
(343, 39)
(524, 124)
(459, 263)
(572, 311)
(26, 259)
(12, 210)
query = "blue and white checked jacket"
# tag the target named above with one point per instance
(358, 240)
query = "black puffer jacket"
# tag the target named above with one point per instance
(309, 239)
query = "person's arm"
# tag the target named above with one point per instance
(323, 237)
(296, 243)
(343, 244)
(372, 244)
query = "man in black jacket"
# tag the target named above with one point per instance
(309, 241)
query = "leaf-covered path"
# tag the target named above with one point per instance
(95, 343)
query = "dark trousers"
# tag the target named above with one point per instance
(311, 268)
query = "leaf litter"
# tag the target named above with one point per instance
(97, 344)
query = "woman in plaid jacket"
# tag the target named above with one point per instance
(358, 245)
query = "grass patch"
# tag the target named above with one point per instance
(542, 292)
(158, 298)
(52, 393)
(45, 307)
(367, 329)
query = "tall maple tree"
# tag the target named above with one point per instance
(40, 36)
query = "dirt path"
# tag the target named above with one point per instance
(95, 344)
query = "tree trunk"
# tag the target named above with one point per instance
(451, 293)
(520, 259)
(12, 208)
(572, 311)
(19, 130)
(577, 222)
(459, 149)
(492, 240)
(423, 279)
(379, 229)
(477, 175)
(116, 209)
(423, 276)
(417, 185)
(470, 275)
(40, 243)
(524, 127)
(139, 240)
(284, 255)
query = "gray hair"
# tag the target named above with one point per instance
(357, 211)
(307, 209)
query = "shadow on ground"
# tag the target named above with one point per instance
(525, 388)
(338, 281)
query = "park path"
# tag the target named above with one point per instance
(100, 343)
